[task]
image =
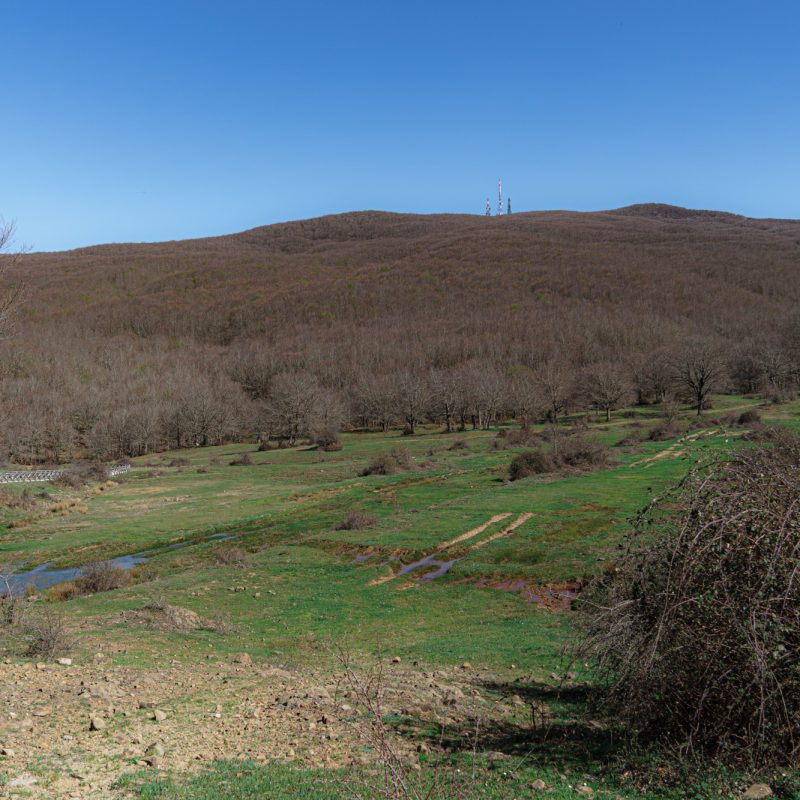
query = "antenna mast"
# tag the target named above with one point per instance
(499, 197)
(488, 208)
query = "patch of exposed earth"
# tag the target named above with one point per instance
(71, 731)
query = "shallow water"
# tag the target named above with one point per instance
(44, 576)
(442, 567)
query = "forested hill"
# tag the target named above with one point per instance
(722, 272)
(352, 301)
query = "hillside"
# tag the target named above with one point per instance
(344, 309)
(668, 262)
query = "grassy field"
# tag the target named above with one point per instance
(308, 585)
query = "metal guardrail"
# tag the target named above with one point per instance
(42, 475)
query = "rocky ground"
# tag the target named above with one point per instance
(70, 730)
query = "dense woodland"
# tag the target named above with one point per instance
(377, 320)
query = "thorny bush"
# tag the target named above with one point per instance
(695, 633)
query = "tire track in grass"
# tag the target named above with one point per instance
(474, 532)
(441, 567)
(505, 532)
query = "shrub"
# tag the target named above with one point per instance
(23, 500)
(459, 444)
(231, 555)
(102, 576)
(663, 432)
(749, 417)
(328, 440)
(78, 475)
(357, 521)
(573, 452)
(47, 634)
(398, 459)
(694, 635)
(180, 462)
(243, 460)
(582, 452)
(531, 462)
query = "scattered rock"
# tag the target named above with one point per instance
(154, 749)
(517, 700)
(495, 759)
(452, 696)
(96, 724)
(159, 715)
(396, 660)
(757, 791)
(242, 658)
(65, 662)
(539, 785)
(466, 665)
(22, 781)
(44, 711)
(41, 665)
(6, 751)
(585, 790)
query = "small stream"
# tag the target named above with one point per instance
(46, 575)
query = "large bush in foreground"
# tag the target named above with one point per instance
(696, 632)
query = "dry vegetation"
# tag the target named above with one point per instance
(695, 631)
(297, 331)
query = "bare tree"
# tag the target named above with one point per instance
(556, 389)
(294, 405)
(605, 386)
(699, 371)
(412, 398)
(11, 293)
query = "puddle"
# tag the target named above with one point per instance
(45, 575)
(440, 568)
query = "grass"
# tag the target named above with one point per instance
(303, 588)
(452, 779)
(285, 509)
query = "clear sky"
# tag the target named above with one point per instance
(141, 121)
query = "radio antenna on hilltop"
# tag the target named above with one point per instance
(499, 197)
(488, 208)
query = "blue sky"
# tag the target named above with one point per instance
(142, 121)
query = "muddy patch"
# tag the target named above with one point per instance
(556, 597)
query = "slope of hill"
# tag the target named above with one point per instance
(667, 261)
(357, 300)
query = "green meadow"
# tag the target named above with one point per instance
(309, 585)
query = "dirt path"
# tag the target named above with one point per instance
(475, 531)
(507, 531)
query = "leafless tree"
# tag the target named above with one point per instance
(11, 293)
(699, 371)
(294, 405)
(606, 387)
(556, 389)
(412, 398)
